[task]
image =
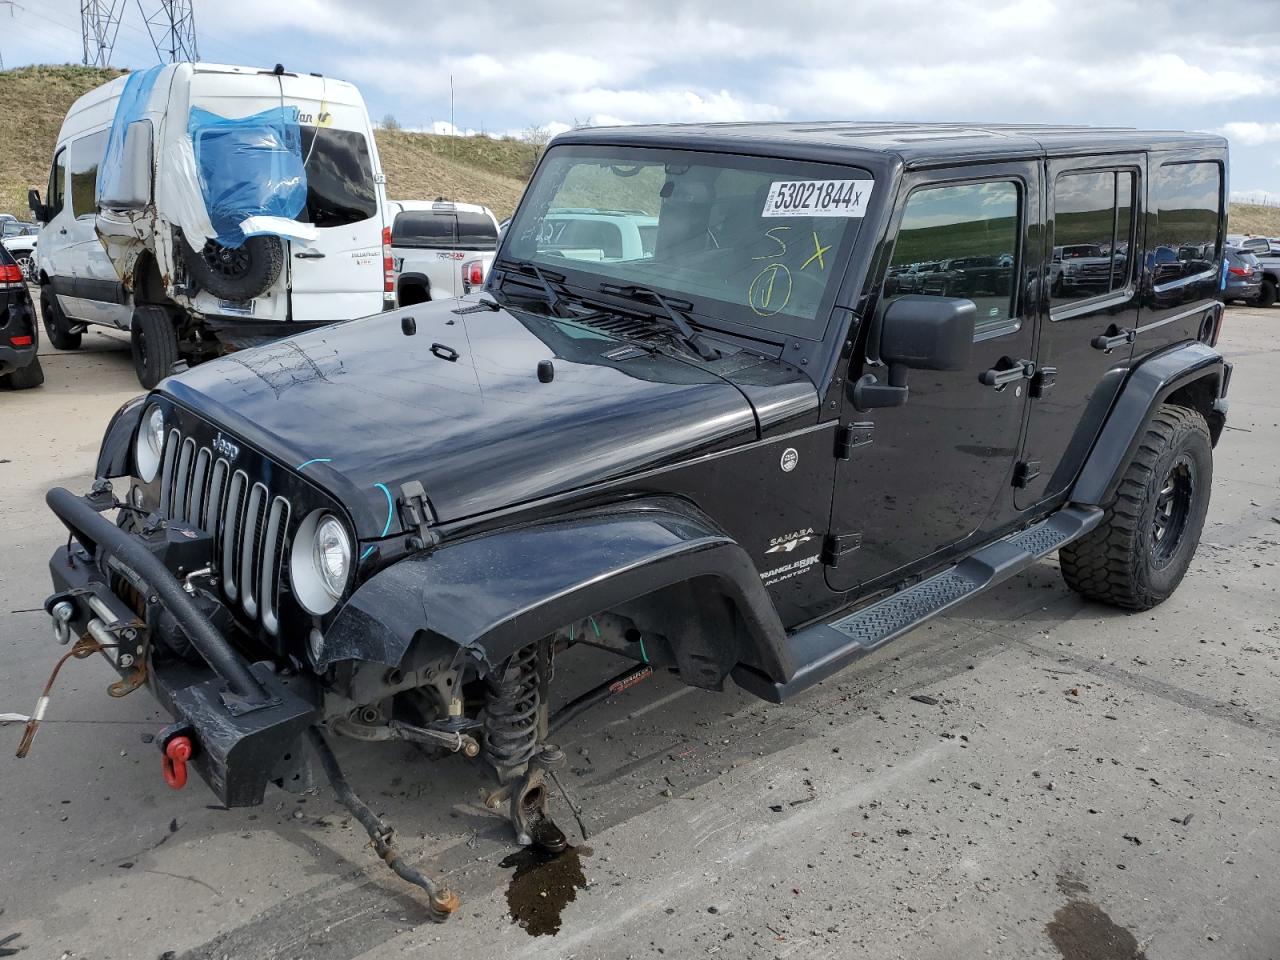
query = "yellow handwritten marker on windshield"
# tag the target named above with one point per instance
(778, 240)
(818, 251)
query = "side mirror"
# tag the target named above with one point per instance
(128, 185)
(38, 209)
(921, 333)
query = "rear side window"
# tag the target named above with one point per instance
(83, 157)
(960, 241)
(1092, 234)
(340, 186)
(1186, 203)
(58, 182)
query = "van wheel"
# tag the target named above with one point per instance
(236, 273)
(155, 344)
(55, 321)
(1139, 553)
(1267, 297)
(29, 376)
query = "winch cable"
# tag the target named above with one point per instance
(84, 647)
(443, 901)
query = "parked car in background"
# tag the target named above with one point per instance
(439, 248)
(1243, 281)
(205, 207)
(591, 234)
(1269, 270)
(19, 339)
(21, 241)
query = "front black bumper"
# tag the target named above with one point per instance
(242, 719)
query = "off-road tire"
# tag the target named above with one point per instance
(1267, 297)
(1124, 561)
(155, 344)
(55, 321)
(236, 273)
(29, 376)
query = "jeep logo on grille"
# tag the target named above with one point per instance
(226, 447)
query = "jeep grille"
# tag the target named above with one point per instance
(247, 523)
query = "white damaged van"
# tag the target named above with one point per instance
(206, 208)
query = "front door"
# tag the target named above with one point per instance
(938, 468)
(1090, 312)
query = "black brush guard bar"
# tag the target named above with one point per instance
(96, 531)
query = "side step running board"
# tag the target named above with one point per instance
(826, 648)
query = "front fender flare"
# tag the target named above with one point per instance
(493, 593)
(115, 456)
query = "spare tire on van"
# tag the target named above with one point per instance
(235, 273)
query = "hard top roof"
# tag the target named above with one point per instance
(914, 143)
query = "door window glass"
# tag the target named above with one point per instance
(1187, 198)
(340, 186)
(57, 183)
(1093, 230)
(83, 157)
(960, 241)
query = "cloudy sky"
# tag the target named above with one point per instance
(1182, 63)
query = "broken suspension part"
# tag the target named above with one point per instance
(442, 901)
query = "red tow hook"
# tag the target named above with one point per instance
(174, 762)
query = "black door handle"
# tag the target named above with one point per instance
(1113, 338)
(63, 230)
(309, 255)
(445, 352)
(1008, 372)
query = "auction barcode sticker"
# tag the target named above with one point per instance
(817, 198)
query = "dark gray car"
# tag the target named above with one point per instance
(1244, 278)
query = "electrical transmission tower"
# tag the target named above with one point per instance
(172, 28)
(99, 24)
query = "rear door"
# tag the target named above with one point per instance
(1088, 313)
(340, 274)
(939, 468)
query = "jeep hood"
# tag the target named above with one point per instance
(448, 394)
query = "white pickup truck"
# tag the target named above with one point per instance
(440, 249)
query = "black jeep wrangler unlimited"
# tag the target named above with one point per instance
(689, 421)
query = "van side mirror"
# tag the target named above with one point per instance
(38, 210)
(921, 333)
(128, 187)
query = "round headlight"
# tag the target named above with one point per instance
(332, 555)
(320, 562)
(150, 444)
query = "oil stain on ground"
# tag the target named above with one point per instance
(1082, 931)
(543, 885)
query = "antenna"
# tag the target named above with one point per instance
(171, 24)
(99, 24)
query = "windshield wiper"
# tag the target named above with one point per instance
(671, 308)
(555, 301)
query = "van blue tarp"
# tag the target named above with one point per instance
(248, 167)
(130, 107)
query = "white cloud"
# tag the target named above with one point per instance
(1250, 133)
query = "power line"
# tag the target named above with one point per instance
(99, 24)
(172, 29)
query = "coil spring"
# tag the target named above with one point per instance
(511, 711)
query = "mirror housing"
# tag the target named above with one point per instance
(921, 333)
(130, 188)
(38, 210)
(928, 333)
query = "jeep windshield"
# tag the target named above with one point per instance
(749, 240)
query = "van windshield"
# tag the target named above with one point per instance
(340, 185)
(752, 240)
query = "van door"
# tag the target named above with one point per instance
(1088, 313)
(340, 275)
(55, 235)
(98, 295)
(938, 468)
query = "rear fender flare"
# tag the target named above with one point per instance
(1190, 374)
(486, 596)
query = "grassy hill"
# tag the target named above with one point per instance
(417, 165)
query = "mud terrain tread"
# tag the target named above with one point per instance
(1101, 565)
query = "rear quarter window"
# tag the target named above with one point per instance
(1187, 200)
